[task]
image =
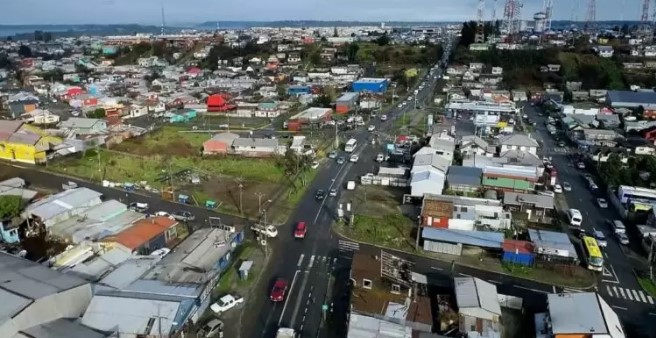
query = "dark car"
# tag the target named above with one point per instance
(278, 291)
(183, 216)
(340, 160)
(320, 195)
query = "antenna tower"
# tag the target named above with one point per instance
(163, 21)
(511, 15)
(644, 18)
(591, 15)
(480, 28)
(548, 8)
(494, 19)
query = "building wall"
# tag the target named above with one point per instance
(9, 236)
(67, 304)
(532, 150)
(508, 183)
(21, 153)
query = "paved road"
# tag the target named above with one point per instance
(317, 267)
(617, 283)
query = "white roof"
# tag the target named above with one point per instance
(473, 293)
(368, 327)
(582, 313)
(62, 202)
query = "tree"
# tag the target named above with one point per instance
(10, 206)
(335, 34)
(352, 51)
(97, 113)
(25, 51)
(323, 101)
(383, 40)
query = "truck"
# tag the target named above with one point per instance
(350, 185)
(266, 230)
(285, 332)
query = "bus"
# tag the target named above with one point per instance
(350, 145)
(592, 253)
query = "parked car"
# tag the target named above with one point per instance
(354, 158)
(567, 186)
(315, 164)
(371, 128)
(602, 203)
(580, 165)
(160, 252)
(138, 207)
(383, 117)
(213, 328)
(320, 195)
(226, 303)
(558, 189)
(622, 238)
(340, 160)
(183, 216)
(278, 291)
(332, 193)
(300, 230)
(332, 154)
(601, 238)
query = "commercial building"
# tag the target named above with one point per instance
(631, 99)
(371, 85)
(308, 118)
(346, 102)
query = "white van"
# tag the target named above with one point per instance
(618, 227)
(574, 217)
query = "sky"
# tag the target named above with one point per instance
(17, 12)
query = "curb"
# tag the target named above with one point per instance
(586, 288)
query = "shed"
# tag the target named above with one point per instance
(518, 252)
(552, 244)
(435, 238)
(244, 268)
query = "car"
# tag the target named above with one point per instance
(380, 158)
(558, 189)
(561, 144)
(580, 165)
(340, 160)
(371, 128)
(320, 195)
(138, 207)
(383, 117)
(602, 203)
(226, 303)
(213, 328)
(160, 252)
(183, 216)
(315, 164)
(332, 154)
(567, 186)
(278, 291)
(300, 230)
(593, 186)
(587, 176)
(600, 237)
(354, 158)
(332, 193)
(622, 238)
(162, 214)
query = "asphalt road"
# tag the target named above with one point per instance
(317, 266)
(617, 283)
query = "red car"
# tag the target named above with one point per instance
(301, 230)
(278, 291)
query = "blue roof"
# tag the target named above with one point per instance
(485, 239)
(618, 96)
(459, 175)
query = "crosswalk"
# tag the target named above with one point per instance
(629, 294)
(560, 150)
(315, 261)
(348, 245)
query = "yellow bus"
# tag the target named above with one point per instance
(592, 253)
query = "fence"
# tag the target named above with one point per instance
(385, 181)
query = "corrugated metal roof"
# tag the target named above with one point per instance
(94, 269)
(475, 293)
(369, 327)
(62, 328)
(485, 239)
(143, 231)
(128, 272)
(459, 175)
(255, 142)
(61, 202)
(518, 140)
(576, 312)
(24, 138)
(628, 96)
(79, 122)
(551, 242)
(434, 160)
(539, 201)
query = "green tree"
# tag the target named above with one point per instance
(97, 113)
(383, 40)
(323, 101)
(25, 51)
(10, 206)
(352, 51)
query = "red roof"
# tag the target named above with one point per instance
(194, 70)
(511, 245)
(143, 231)
(216, 100)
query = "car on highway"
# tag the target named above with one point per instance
(567, 186)
(332, 154)
(320, 194)
(226, 303)
(340, 160)
(558, 189)
(622, 238)
(300, 230)
(380, 158)
(371, 128)
(332, 193)
(602, 203)
(383, 117)
(354, 158)
(183, 216)
(278, 291)
(213, 328)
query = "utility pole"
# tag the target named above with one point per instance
(240, 185)
(259, 201)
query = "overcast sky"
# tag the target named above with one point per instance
(196, 11)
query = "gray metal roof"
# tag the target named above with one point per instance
(349, 96)
(79, 122)
(576, 313)
(61, 202)
(368, 327)
(62, 328)
(470, 176)
(538, 201)
(631, 97)
(128, 272)
(518, 140)
(255, 142)
(551, 242)
(519, 157)
(225, 137)
(434, 160)
(485, 239)
(94, 269)
(475, 293)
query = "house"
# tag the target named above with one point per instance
(85, 126)
(608, 121)
(520, 158)
(346, 102)
(298, 90)
(518, 142)
(631, 99)
(579, 314)
(370, 327)
(21, 103)
(136, 110)
(381, 290)
(313, 116)
(464, 179)
(604, 51)
(268, 109)
(257, 147)
(478, 307)
(36, 298)
(472, 144)
(600, 137)
(219, 144)
(20, 143)
(497, 71)
(552, 246)
(462, 213)
(536, 206)
(61, 206)
(145, 236)
(429, 181)
(510, 178)
(294, 57)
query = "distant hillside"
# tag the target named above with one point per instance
(27, 31)
(308, 23)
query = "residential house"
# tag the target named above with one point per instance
(219, 144)
(497, 71)
(61, 206)
(268, 109)
(464, 179)
(631, 99)
(383, 291)
(578, 314)
(257, 147)
(463, 213)
(85, 126)
(21, 103)
(472, 144)
(600, 137)
(478, 307)
(20, 143)
(510, 178)
(553, 246)
(608, 121)
(294, 57)
(145, 236)
(37, 299)
(428, 174)
(137, 110)
(520, 158)
(536, 206)
(518, 142)
(604, 51)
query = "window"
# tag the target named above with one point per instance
(458, 216)
(366, 283)
(455, 208)
(396, 288)
(463, 209)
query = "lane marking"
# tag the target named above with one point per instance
(652, 314)
(464, 275)
(494, 281)
(284, 307)
(311, 261)
(635, 294)
(438, 269)
(554, 288)
(651, 300)
(609, 291)
(299, 300)
(642, 296)
(619, 307)
(628, 294)
(622, 293)
(300, 260)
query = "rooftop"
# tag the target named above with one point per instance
(459, 175)
(551, 242)
(79, 122)
(521, 140)
(143, 231)
(475, 293)
(576, 313)
(485, 239)
(61, 328)
(538, 201)
(369, 327)
(255, 142)
(59, 203)
(313, 113)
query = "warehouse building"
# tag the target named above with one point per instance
(308, 118)
(371, 85)
(346, 102)
(631, 99)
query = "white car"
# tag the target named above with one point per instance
(567, 186)
(315, 165)
(226, 303)
(371, 128)
(354, 158)
(558, 189)
(602, 203)
(383, 117)
(160, 252)
(380, 158)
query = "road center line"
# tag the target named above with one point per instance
(282, 314)
(619, 307)
(311, 261)
(300, 260)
